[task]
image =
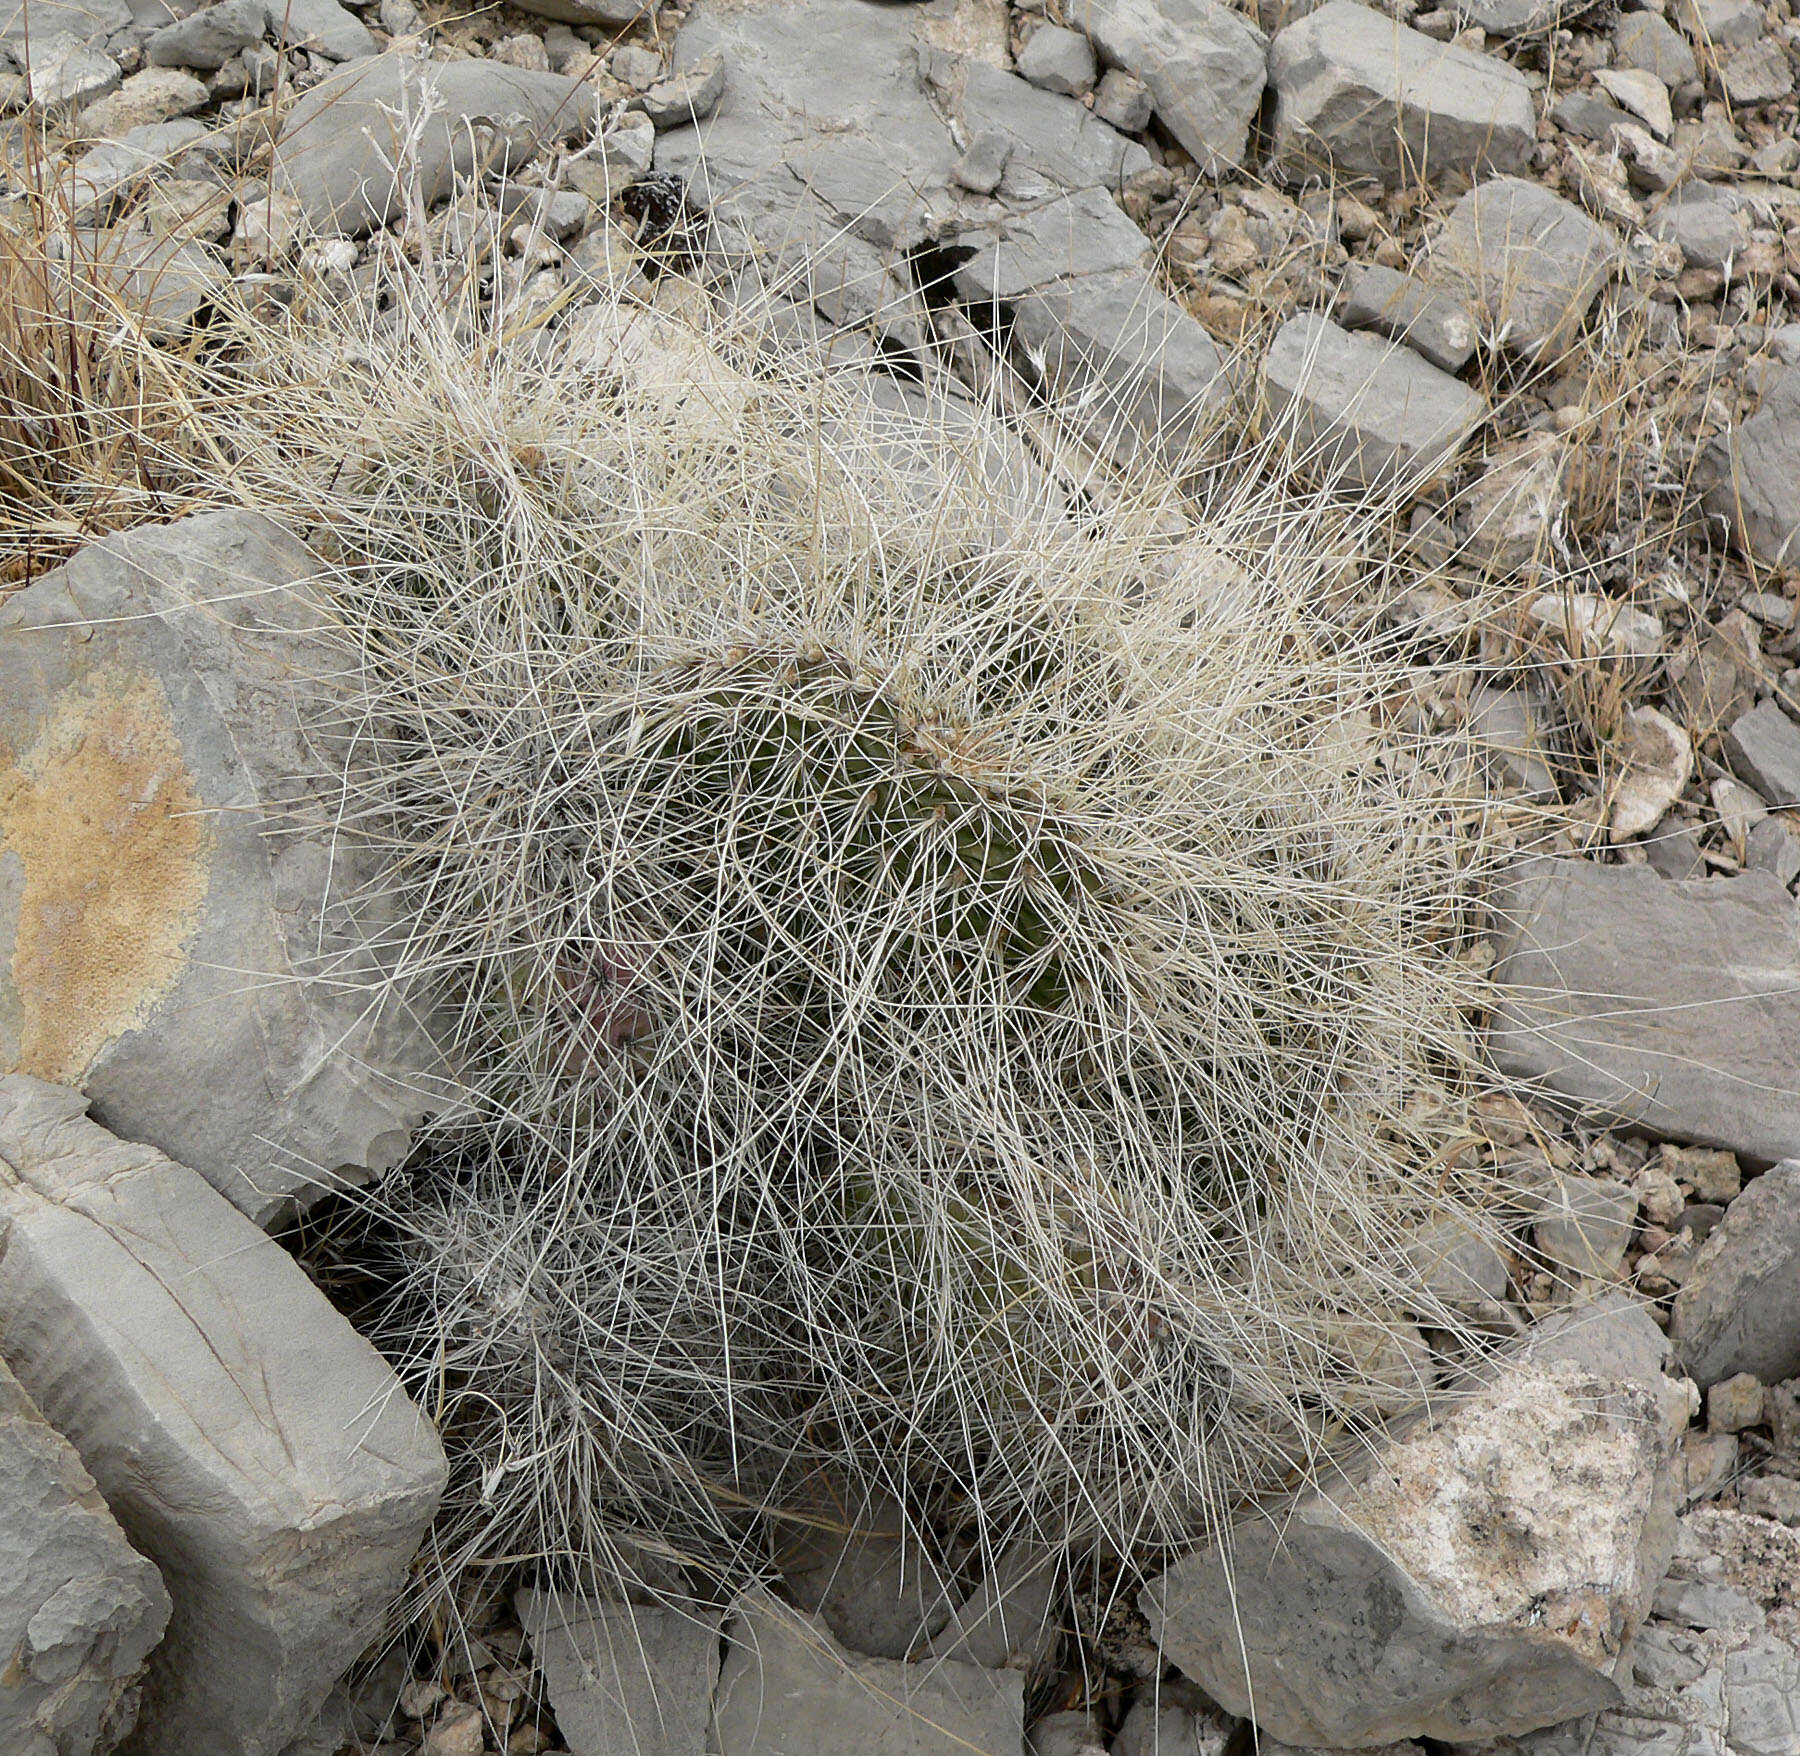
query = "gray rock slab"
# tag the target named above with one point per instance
(1705, 221)
(1458, 1264)
(1393, 1607)
(90, 186)
(1362, 410)
(1359, 94)
(207, 39)
(1585, 1225)
(179, 936)
(248, 1440)
(1060, 60)
(1513, 727)
(1611, 1335)
(788, 1689)
(1528, 259)
(1514, 18)
(80, 1609)
(1648, 41)
(1749, 476)
(341, 140)
(1404, 308)
(1764, 748)
(625, 1677)
(162, 281)
(323, 26)
(1583, 114)
(27, 25)
(1204, 65)
(612, 14)
(1087, 318)
(1668, 1005)
(1739, 1310)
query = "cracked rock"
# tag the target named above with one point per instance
(1529, 260)
(1483, 1578)
(80, 1610)
(1666, 1005)
(177, 938)
(259, 1451)
(1362, 410)
(1359, 94)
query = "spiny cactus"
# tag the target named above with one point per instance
(969, 1009)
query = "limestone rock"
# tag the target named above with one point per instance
(178, 936)
(1202, 63)
(28, 25)
(611, 14)
(207, 39)
(1087, 316)
(1532, 261)
(1360, 94)
(1647, 40)
(1483, 1578)
(1667, 1005)
(257, 1449)
(1059, 60)
(157, 94)
(80, 1610)
(1362, 410)
(1739, 1310)
(788, 1689)
(1397, 305)
(90, 186)
(322, 26)
(625, 1677)
(1764, 747)
(1750, 477)
(341, 139)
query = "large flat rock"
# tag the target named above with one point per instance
(179, 935)
(1739, 1310)
(1362, 95)
(1669, 1005)
(80, 1609)
(351, 144)
(1482, 1578)
(249, 1442)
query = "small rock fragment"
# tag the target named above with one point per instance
(1764, 748)
(686, 97)
(980, 169)
(1173, 1717)
(1124, 102)
(1203, 64)
(1657, 761)
(1586, 1225)
(80, 1610)
(1059, 60)
(1365, 411)
(1646, 40)
(1740, 1308)
(1758, 73)
(1734, 1403)
(1385, 1609)
(1589, 625)
(157, 94)
(625, 1677)
(1397, 305)
(207, 39)
(1664, 1005)
(1641, 93)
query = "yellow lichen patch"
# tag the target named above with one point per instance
(102, 814)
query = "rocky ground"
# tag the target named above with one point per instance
(1524, 272)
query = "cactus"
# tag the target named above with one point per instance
(968, 1010)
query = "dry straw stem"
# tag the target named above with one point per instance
(957, 991)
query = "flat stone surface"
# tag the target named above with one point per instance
(1389, 1608)
(1764, 747)
(1087, 316)
(26, 25)
(788, 1689)
(1404, 308)
(1750, 477)
(1647, 40)
(322, 26)
(1362, 95)
(1586, 1225)
(625, 1677)
(253, 1444)
(1060, 60)
(1739, 1310)
(1203, 63)
(339, 142)
(1668, 1005)
(207, 39)
(80, 1609)
(1364, 411)
(176, 933)
(1530, 260)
